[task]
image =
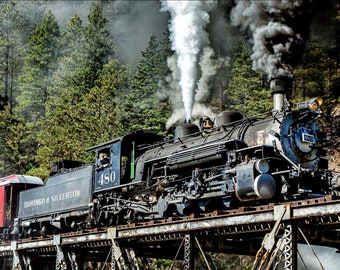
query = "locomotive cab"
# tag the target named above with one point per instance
(115, 160)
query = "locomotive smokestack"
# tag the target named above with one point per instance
(281, 89)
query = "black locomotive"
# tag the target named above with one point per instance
(218, 164)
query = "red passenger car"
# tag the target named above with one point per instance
(10, 187)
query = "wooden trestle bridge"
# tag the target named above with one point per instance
(270, 232)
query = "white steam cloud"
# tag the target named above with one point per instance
(189, 38)
(209, 67)
(271, 37)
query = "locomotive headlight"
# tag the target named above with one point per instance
(312, 104)
(315, 103)
(262, 166)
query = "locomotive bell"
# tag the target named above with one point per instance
(205, 122)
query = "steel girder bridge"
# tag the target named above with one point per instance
(270, 233)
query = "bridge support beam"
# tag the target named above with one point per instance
(273, 248)
(73, 260)
(116, 253)
(19, 261)
(188, 252)
(16, 258)
(192, 259)
(60, 263)
(121, 258)
(27, 262)
(131, 256)
(290, 246)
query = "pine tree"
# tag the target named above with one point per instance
(14, 26)
(83, 79)
(38, 69)
(5, 124)
(142, 108)
(101, 104)
(245, 92)
(8, 61)
(96, 50)
(310, 78)
(17, 147)
(70, 54)
(318, 76)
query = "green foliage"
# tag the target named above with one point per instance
(82, 111)
(161, 264)
(38, 68)
(231, 261)
(318, 76)
(97, 48)
(14, 27)
(244, 92)
(70, 128)
(17, 143)
(310, 78)
(100, 104)
(142, 108)
(5, 151)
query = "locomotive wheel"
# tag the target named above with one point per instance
(180, 208)
(336, 193)
(203, 204)
(108, 219)
(164, 209)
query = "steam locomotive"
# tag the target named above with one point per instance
(218, 164)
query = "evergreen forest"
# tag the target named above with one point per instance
(64, 87)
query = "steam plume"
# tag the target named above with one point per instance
(272, 38)
(209, 67)
(188, 36)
